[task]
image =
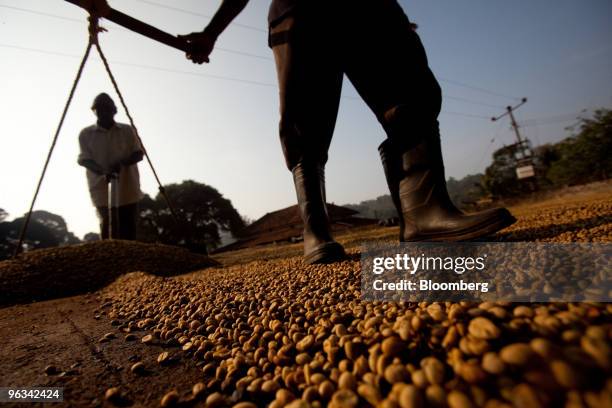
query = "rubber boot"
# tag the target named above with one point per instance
(416, 181)
(319, 246)
(392, 165)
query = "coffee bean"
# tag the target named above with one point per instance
(344, 399)
(305, 343)
(170, 399)
(138, 368)
(392, 346)
(517, 354)
(113, 395)
(347, 381)
(457, 399)
(51, 370)
(483, 328)
(198, 390)
(410, 397)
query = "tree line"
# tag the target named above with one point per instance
(204, 216)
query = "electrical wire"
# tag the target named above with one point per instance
(193, 13)
(567, 117)
(40, 13)
(143, 66)
(477, 88)
(456, 98)
(488, 147)
(79, 21)
(199, 74)
(264, 57)
(467, 115)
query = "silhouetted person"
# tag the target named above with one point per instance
(110, 149)
(373, 43)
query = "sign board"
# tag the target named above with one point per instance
(525, 172)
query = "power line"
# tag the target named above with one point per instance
(75, 20)
(40, 13)
(550, 122)
(197, 74)
(467, 115)
(450, 81)
(264, 57)
(488, 147)
(567, 117)
(477, 88)
(456, 98)
(193, 13)
(143, 66)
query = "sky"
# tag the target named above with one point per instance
(217, 123)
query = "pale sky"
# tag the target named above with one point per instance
(217, 123)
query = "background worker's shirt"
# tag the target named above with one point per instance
(107, 148)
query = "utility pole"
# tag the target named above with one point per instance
(509, 112)
(522, 150)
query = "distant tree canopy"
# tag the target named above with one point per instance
(379, 208)
(500, 178)
(202, 213)
(44, 231)
(585, 156)
(91, 236)
(467, 190)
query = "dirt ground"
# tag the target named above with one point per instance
(66, 333)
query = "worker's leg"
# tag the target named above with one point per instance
(386, 62)
(128, 217)
(310, 82)
(388, 66)
(103, 218)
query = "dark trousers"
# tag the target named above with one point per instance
(372, 42)
(123, 222)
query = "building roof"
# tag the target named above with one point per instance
(286, 224)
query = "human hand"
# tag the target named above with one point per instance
(98, 8)
(199, 46)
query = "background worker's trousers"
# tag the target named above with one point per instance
(126, 216)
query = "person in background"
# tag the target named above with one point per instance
(109, 149)
(315, 43)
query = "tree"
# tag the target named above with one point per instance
(5, 243)
(500, 178)
(466, 191)
(45, 230)
(57, 225)
(381, 208)
(202, 213)
(586, 156)
(91, 236)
